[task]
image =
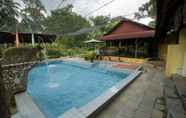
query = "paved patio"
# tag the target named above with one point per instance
(139, 100)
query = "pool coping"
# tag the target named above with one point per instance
(98, 103)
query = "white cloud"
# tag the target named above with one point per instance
(145, 21)
(116, 8)
(124, 8)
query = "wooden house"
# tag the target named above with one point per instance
(130, 39)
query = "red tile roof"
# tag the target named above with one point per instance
(127, 29)
(133, 35)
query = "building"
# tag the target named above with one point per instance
(171, 31)
(130, 39)
(10, 38)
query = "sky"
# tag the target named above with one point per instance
(124, 8)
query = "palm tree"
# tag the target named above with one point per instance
(8, 13)
(33, 15)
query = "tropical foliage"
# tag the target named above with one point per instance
(147, 10)
(53, 52)
(89, 56)
(8, 13)
(64, 21)
(32, 16)
(105, 24)
(71, 28)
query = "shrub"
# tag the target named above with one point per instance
(89, 56)
(19, 55)
(52, 53)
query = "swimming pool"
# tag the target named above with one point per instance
(60, 86)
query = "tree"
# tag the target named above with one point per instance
(32, 15)
(147, 10)
(106, 24)
(101, 21)
(8, 13)
(64, 21)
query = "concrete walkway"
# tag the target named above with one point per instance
(139, 100)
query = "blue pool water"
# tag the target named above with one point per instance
(66, 85)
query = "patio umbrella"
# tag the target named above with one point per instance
(93, 41)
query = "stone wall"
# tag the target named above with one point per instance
(14, 77)
(15, 64)
(4, 108)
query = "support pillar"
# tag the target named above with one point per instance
(33, 40)
(136, 48)
(17, 39)
(17, 36)
(119, 44)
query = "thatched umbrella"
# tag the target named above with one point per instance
(93, 41)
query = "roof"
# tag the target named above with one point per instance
(134, 35)
(128, 29)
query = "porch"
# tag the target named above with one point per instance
(132, 48)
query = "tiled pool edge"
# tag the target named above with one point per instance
(99, 102)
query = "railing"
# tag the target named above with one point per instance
(19, 64)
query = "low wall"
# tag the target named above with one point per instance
(176, 56)
(14, 71)
(174, 61)
(14, 76)
(123, 59)
(16, 63)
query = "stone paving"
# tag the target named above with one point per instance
(139, 100)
